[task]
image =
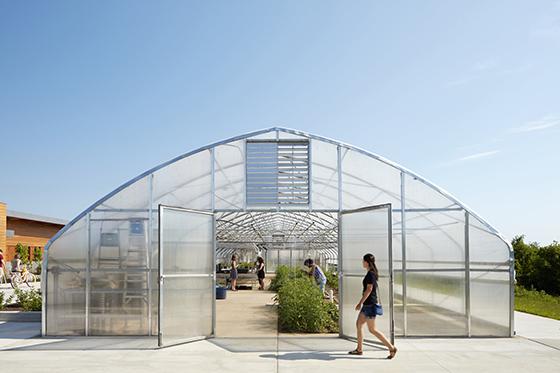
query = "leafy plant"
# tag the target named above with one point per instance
(301, 308)
(283, 274)
(37, 254)
(332, 279)
(29, 300)
(537, 267)
(23, 252)
(3, 301)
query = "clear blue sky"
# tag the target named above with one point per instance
(467, 94)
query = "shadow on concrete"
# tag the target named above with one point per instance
(322, 356)
(86, 344)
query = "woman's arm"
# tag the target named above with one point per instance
(368, 291)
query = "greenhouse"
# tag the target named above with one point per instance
(142, 260)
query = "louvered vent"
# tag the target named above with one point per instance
(277, 173)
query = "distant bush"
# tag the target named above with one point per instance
(283, 274)
(302, 309)
(29, 300)
(537, 267)
(4, 301)
(332, 279)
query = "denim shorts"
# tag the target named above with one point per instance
(369, 311)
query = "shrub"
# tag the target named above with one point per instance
(23, 252)
(3, 301)
(301, 308)
(283, 274)
(29, 300)
(537, 267)
(332, 279)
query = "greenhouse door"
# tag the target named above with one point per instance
(362, 231)
(186, 275)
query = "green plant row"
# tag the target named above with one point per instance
(302, 308)
(29, 300)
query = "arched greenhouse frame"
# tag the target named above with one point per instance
(142, 260)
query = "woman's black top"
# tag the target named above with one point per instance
(370, 278)
(260, 271)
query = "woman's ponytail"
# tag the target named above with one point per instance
(370, 260)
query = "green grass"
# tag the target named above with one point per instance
(537, 303)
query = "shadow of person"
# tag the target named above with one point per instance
(322, 356)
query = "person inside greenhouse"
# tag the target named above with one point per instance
(369, 307)
(260, 272)
(317, 273)
(233, 272)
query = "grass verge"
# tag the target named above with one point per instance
(537, 303)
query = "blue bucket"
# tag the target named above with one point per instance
(221, 292)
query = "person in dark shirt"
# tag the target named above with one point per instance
(366, 306)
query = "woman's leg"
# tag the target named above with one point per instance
(234, 284)
(360, 321)
(373, 330)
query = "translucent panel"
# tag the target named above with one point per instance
(118, 313)
(69, 250)
(362, 232)
(187, 294)
(366, 181)
(490, 307)
(185, 183)
(419, 195)
(487, 250)
(436, 303)
(290, 136)
(66, 301)
(271, 260)
(229, 177)
(188, 242)
(324, 175)
(187, 309)
(65, 293)
(136, 195)
(435, 240)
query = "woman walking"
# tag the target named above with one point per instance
(233, 272)
(366, 306)
(260, 272)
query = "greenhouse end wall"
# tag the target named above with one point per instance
(101, 274)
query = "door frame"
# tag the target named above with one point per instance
(389, 208)
(162, 276)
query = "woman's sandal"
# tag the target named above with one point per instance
(392, 353)
(355, 352)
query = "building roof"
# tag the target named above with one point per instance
(39, 218)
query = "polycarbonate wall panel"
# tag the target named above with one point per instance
(66, 302)
(420, 195)
(230, 175)
(490, 304)
(134, 196)
(364, 232)
(187, 308)
(367, 182)
(435, 240)
(186, 183)
(66, 285)
(271, 261)
(487, 250)
(188, 242)
(324, 175)
(436, 303)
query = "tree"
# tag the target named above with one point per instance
(23, 252)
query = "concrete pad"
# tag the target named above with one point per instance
(538, 329)
(246, 313)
